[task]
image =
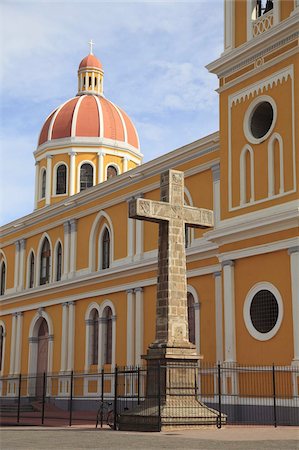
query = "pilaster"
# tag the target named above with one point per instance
(294, 262)
(17, 260)
(216, 193)
(101, 167)
(218, 316)
(36, 186)
(138, 325)
(22, 264)
(73, 247)
(130, 327)
(64, 337)
(229, 311)
(66, 250)
(72, 156)
(18, 344)
(49, 179)
(71, 335)
(13, 344)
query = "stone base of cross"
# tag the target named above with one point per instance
(172, 361)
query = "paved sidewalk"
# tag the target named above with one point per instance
(78, 438)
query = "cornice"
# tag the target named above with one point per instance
(278, 36)
(266, 221)
(194, 150)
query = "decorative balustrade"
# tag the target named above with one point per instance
(263, 23)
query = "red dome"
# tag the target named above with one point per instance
(90, 61)
(89, 116)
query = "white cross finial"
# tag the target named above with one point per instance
(91, 44)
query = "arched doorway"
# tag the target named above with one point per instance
(42, 355)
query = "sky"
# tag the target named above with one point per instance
(153, 54)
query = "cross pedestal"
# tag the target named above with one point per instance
(172, 361)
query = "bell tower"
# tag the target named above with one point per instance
(259, 103)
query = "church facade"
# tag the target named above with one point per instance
(78, 276)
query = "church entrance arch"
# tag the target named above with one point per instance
(42, 355)
(40, 352)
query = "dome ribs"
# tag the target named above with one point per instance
(113, 125)
(43, 137)
(88, 124)
(131, 131)
(63, 122)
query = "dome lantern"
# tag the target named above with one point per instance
(90, 74)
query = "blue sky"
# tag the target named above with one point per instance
(153, 55)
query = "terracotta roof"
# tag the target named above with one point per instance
(89, 116)
(90, 61)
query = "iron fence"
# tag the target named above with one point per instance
(246, 395)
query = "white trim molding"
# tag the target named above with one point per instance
(246, 311)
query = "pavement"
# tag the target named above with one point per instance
(82, 437)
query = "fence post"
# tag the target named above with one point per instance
(43, 399)
(219, 396)
(19, 398)
(71, 398)
(274, 396)
(138, 385)
(115, 397)
(159, 395)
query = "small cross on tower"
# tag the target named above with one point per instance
(172, 216)
(90, 44)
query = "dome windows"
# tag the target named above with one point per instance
(61, 179)
(260, 119)
(111, 172)
(86, 176)
(43, 183)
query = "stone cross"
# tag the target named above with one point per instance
(172, 216)
(90, 45)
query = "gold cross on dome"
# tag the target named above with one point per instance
(90, 44)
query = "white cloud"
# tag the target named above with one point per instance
(153, 55)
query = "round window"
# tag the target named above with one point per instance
(264, 311)
(260, 119)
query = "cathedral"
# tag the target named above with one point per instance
(78, 277)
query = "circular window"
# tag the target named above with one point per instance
(260, 119)
(263, 311)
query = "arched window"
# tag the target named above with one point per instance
(45, 262)
(191, 317)
(2, 280)
(111, 172)
(107, 335)
(31, 271)
(106, 249)
(86, 176)
(43, 184)
(58, 262)
(246, 175)
(61, 179)
(94, 337)
(2, 336)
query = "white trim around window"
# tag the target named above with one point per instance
(78, 173)
(54, 189)
(246, 311)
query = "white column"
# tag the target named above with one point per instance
(22, 264)
(294, 260)
(139, 227)
(92, 81)
(73, 246)
(130, 236)
(64, 337)
(17, 259)
(218, 316)
(66, 250)
(72, 172)
(125, 163)
(49, 179)
(197, 326)
(13, 344)
(138, 325)
(36, 189)
(86, 81)
(216, 193)
(101, 167)
(229, 25)
(113, 356)
(18, 345)
(229, 311)
(71, 335)
(88, 324)
(130, 327)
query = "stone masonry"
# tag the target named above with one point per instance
(171, 355)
